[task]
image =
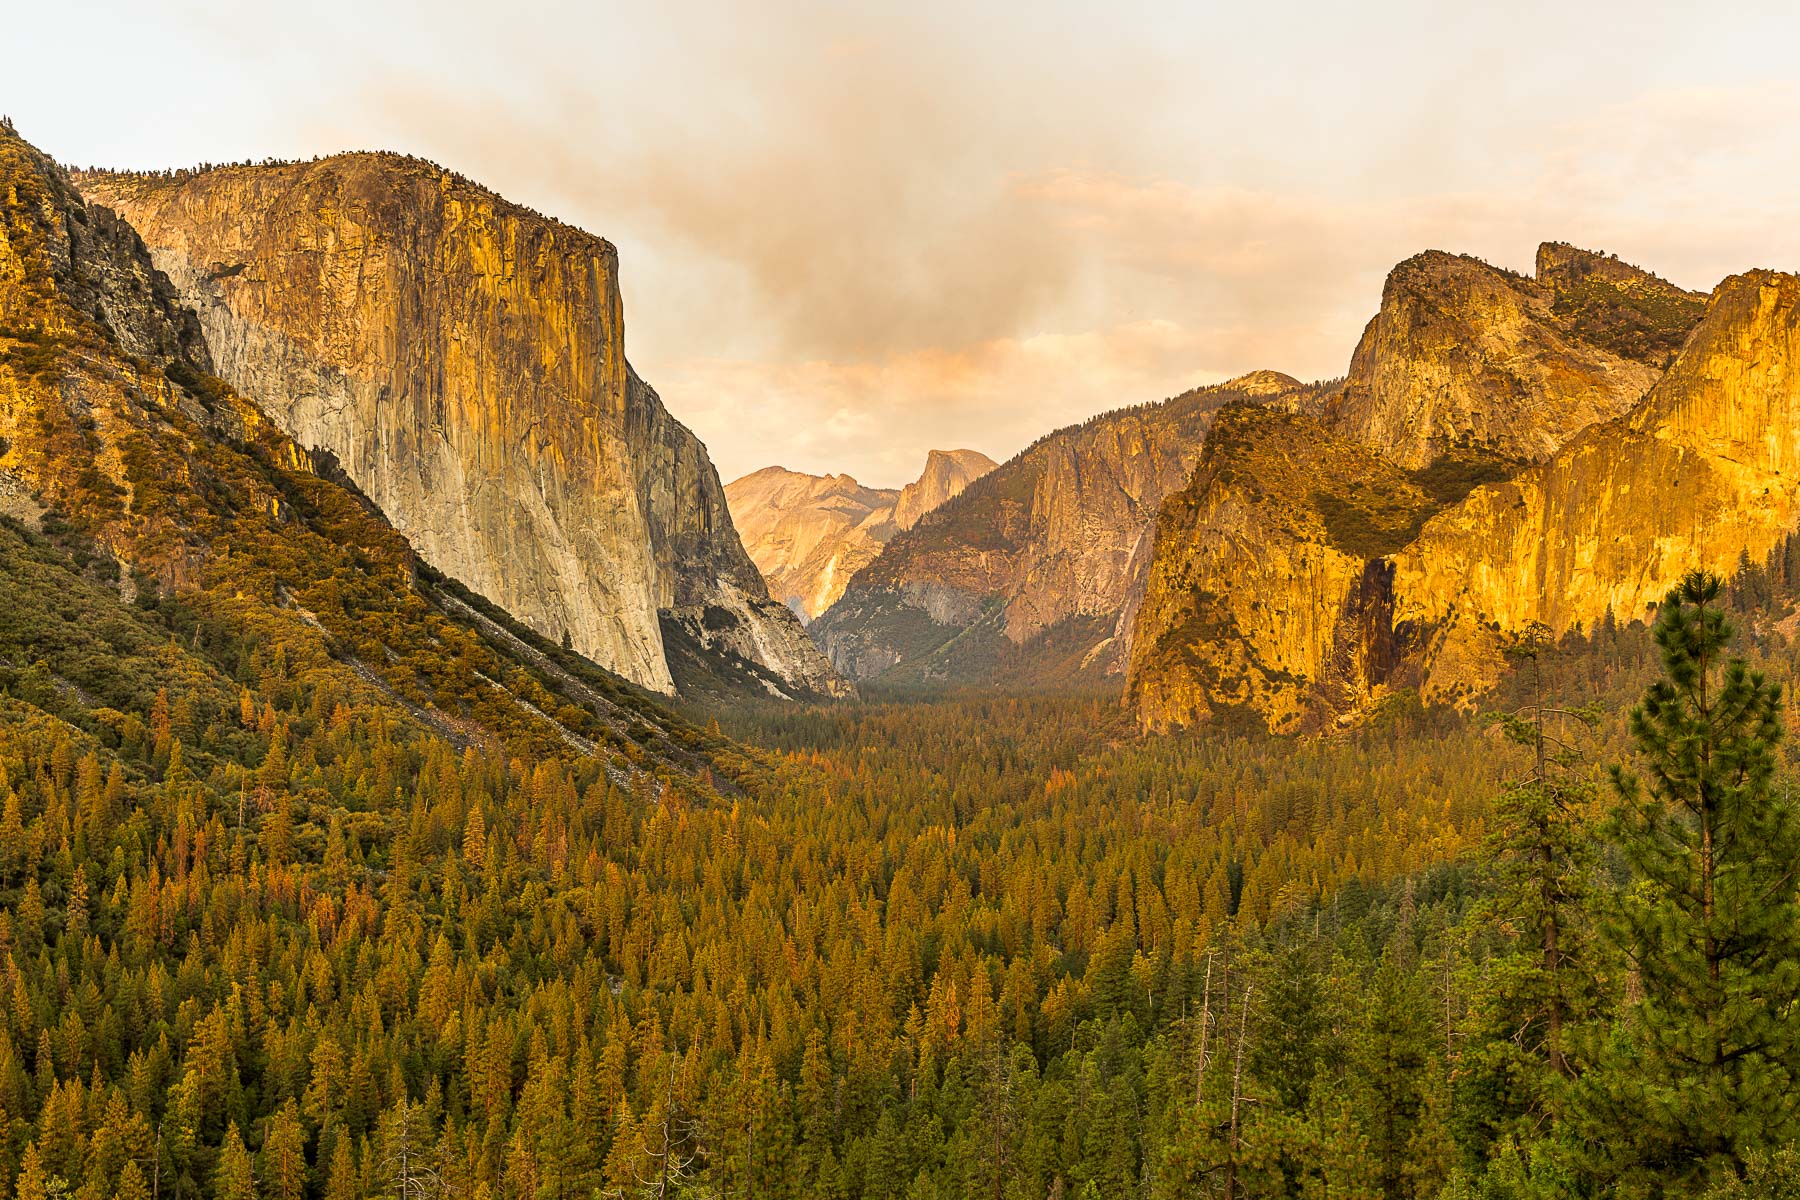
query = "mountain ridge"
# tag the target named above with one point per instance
(1046, 553)
(809, 534)
(463, 359)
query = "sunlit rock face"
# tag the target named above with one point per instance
(1268, 587)
(1032, 575)
(810, 534)
(946, 474)
(1466, 356)
(463, 359)
(1505, 453)
(1703, 473)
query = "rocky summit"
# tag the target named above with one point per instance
(947, 473)
(1465, 357)
(462, 361)
(1032, 575)
(1494, 479)
(809, 534)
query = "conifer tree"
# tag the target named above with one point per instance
(284, 1154)
(1702, 1071)
(132, 1184)
(31, 1185)
(235, 1178)
(1528, 1000)
(1394, 1079)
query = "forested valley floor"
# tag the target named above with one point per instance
(263, 939)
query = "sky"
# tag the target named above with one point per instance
(853, 232)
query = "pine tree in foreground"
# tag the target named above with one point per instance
(1700, 1073)
(1528, 999)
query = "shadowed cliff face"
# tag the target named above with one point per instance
(810, 534)
(464, 361)
(1492, 462)
(1032, 575)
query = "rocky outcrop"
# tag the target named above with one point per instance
(1705, 472)
(810, 534)
(1475, 476)
(947, 473)
(1031, 575)
(463, 360)
(1619, 307)
(1464, 356)
(1267, 586)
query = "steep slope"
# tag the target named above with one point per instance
(1289, 598)
(1030, 576)
(809, 534)
(1267, 580)
(1465, 356)
(463, 360)
(947, 474)
(1704, 473)
(160, 531)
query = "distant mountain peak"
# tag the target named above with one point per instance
(1263, 383)
(810, 534)
(946, 474)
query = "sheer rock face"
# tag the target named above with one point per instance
(1262, 595)
(463, 359)
(1476, 474)
(1464, 355)
(1704, 472)
(810, 534)
(946, 474)
(1033, 573)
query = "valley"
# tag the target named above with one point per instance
(421, 776)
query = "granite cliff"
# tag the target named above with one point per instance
(1704, 473)
(162, 532)
(1032, 574)
(1268, 587)
(809, 534)
(462, 360)
(947, 473)
(1558, 499)
(1465, 357)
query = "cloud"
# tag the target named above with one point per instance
(848, 192)
(853, 232)
(878, 417)
(1239, 279)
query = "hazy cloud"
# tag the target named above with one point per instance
(851, 232)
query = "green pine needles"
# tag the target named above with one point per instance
(1699, 1073)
